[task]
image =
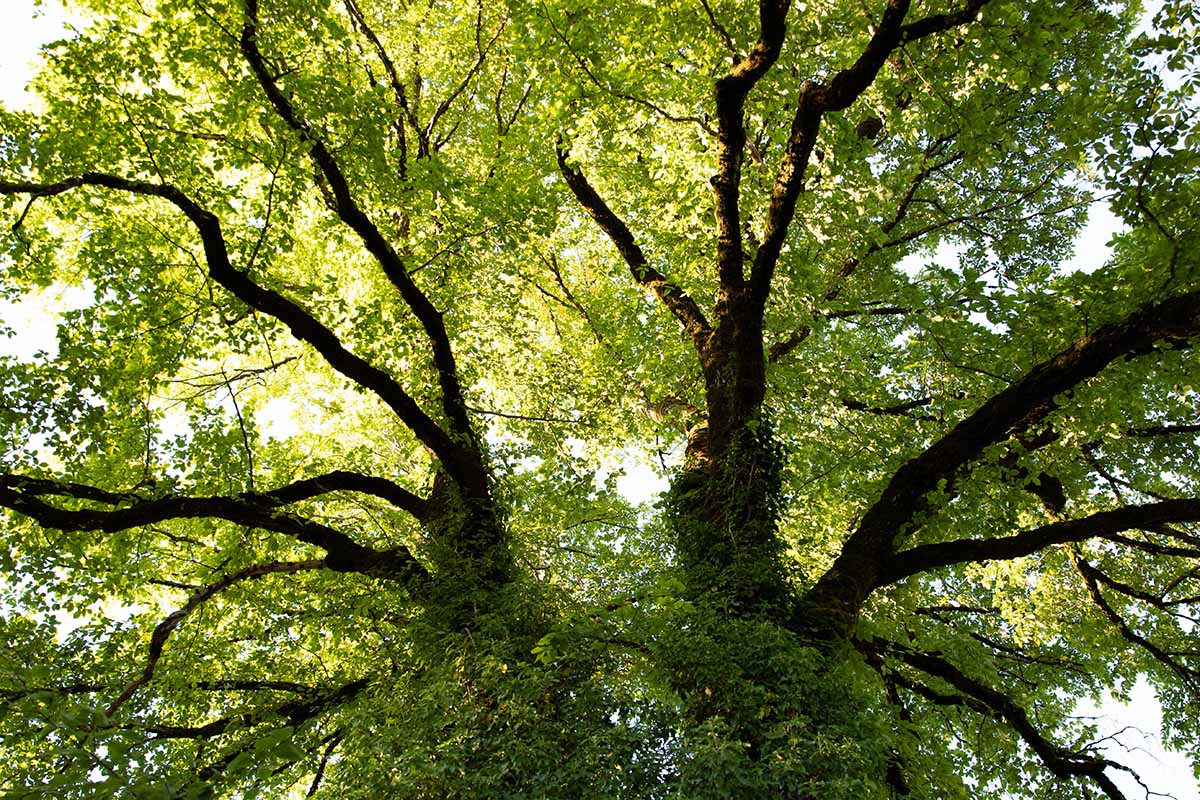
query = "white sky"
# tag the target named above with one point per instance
(25, 26)
(21, 34)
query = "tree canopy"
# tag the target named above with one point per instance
(324, 489)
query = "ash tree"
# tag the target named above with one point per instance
(329, 485)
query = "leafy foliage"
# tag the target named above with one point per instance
(386, 316)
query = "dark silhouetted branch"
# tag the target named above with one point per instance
(983, 699)
(23, 495)
(1101, 524)
(164, 629)
(459, 453)
(677, 301)
(1013, 411)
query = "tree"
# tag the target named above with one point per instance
(487, 256)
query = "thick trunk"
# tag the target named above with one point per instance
(759, 673)
(735, 370)
(723, 515)
(472, 562)
(724, 504)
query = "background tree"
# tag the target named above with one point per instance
(484, 257)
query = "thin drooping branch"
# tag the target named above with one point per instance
(164, 629)
(608, 88)
(721, 31)
(1177, 608)
(1102, 524)
(677, 301)
(344, 554)
(302, 324)
(1189, 676)
(294, 713)
(460, 454)
(1157, 548)
(984, 699)
(481, 51)
(850, 265)
(1017, 409)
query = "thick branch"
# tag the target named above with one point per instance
(905, 409)
(936, 23)
(731, 92)
(303, 325)
(346, 481)
(1019, 407)
(22, 495)
(677, 301)
(1101, 524)
(816, 100)
(463, 461)
(295, 492)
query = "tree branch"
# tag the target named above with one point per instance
(607, 88)
(312, 702)
(1023, 404)
(817, 99)
(730, 95)
(347, 481)
(481, 56)
(1102, 524)
(981, 698)
(22, 494)
(334, 741)
(899, 409)
(677, 301)
(400, 97)
(295, 713)
(460, 461)
(164, 629)
(464, 462)
(1190, 676)
(838, 282)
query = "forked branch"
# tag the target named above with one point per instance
(1017, 409)
(817, 99)
(463, 463)
(164, 629)
(343, 554)
(1177, 662)
(460, 453)
(983, 699)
